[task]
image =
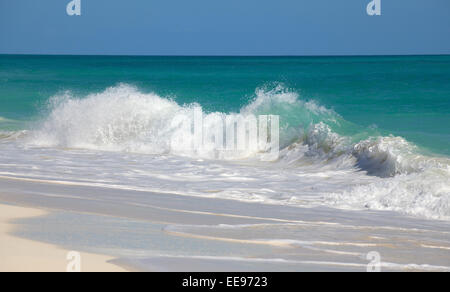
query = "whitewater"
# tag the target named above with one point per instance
(120, 138)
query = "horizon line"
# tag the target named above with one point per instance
(219, 55)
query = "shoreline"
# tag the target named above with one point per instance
(24, 255)
(157, 232)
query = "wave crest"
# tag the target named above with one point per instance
(312, 137)
(123, 119)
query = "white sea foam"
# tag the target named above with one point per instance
(317, 164)
(126, 120)
(12, 135)
(425, 194)
(119, 119)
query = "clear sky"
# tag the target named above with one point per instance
(225, 27)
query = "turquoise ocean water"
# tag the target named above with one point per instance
(404, 96)
(355, 132)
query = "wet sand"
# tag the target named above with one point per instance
(148, 231)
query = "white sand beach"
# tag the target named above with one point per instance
(23, 255)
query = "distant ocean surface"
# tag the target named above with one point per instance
(356, 132)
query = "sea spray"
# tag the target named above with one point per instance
(315, 142)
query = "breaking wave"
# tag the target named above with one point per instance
(124, 119)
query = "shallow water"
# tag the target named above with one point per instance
(166, 232)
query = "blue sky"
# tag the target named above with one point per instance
(225, 27)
